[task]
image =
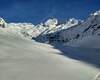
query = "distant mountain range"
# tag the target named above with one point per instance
(72, 32)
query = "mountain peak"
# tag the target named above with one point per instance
(51, 22)
(72, 21)
(96, 13)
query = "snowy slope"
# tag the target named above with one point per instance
(78, 34)
(22, 59)
(86, 42)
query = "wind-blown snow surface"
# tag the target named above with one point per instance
(22, 59)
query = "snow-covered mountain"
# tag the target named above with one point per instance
(89, 28)
(72, 32)
(22, 59)
(32, 31)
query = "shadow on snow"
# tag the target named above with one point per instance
(88, 55)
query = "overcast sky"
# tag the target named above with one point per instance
(36, 11)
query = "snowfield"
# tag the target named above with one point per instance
(22, 59)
